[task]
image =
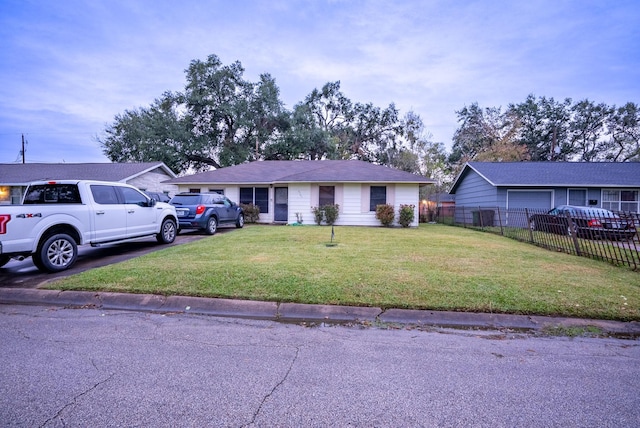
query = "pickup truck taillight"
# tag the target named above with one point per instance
(4, 219)
(200, 209)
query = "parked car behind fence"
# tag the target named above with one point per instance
(586, 222)
(595, 233)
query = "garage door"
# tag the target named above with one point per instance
(539, 199)
(518, 200)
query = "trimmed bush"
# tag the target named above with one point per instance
(318, 215)
(385, 214)
(406, 214)
(251, 212)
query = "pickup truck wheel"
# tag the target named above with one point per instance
(212, 226)
(168, 232)
(240, 221)
(56, 253)
(4, 260)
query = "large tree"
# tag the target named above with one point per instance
(327, 125)
(587, 129)
(231, 117)
(220, 119)
(544, 127)
(487, 134)
(624, 131)
(157, 133)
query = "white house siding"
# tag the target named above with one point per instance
(300, 202)
(407, 194)
(153, 182)
(352, 211)
(353, 199)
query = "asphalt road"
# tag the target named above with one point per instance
(90, 367)
(24, 274)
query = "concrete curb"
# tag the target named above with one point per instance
(295, 312)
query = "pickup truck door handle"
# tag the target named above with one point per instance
(99, 212)
(131, 211)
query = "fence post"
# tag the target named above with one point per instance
(464, 218)
(500, 220)
(526, 213)
(573, 232)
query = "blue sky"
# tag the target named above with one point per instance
(68, 67)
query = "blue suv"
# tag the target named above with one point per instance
(206, 211)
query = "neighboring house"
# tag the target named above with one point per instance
(287, 191)
(436, 205)
(439, 200)
(14, 177)
(543, 185)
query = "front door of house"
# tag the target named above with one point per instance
(281, 202)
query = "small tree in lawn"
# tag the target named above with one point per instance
(406, 214)
(327, 213)
(385, 213)
(331, 213)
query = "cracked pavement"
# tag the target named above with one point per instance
(97, 367)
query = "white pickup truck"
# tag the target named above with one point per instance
(57, 216)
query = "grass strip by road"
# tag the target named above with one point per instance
(434, 267)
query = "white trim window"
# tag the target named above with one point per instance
(258, 196)
(620, 200)
(327, 195)
(577, 197)
(377, 196)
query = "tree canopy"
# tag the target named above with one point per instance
(543, 129)
(222, 119)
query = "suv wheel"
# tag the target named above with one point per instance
(240, 221)
(212, 226)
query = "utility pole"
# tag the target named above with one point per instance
(22, 151)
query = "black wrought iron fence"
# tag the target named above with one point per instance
(590, 233)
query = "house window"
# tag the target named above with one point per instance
(620, 200)
(377, 196)
(258, 196)
(578, 197)
(327, 196)
(194, 190)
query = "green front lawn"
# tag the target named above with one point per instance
(433, 267)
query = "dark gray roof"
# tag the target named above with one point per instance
(22, 174)
(555, 174)
(442, 197)
(272, 172)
